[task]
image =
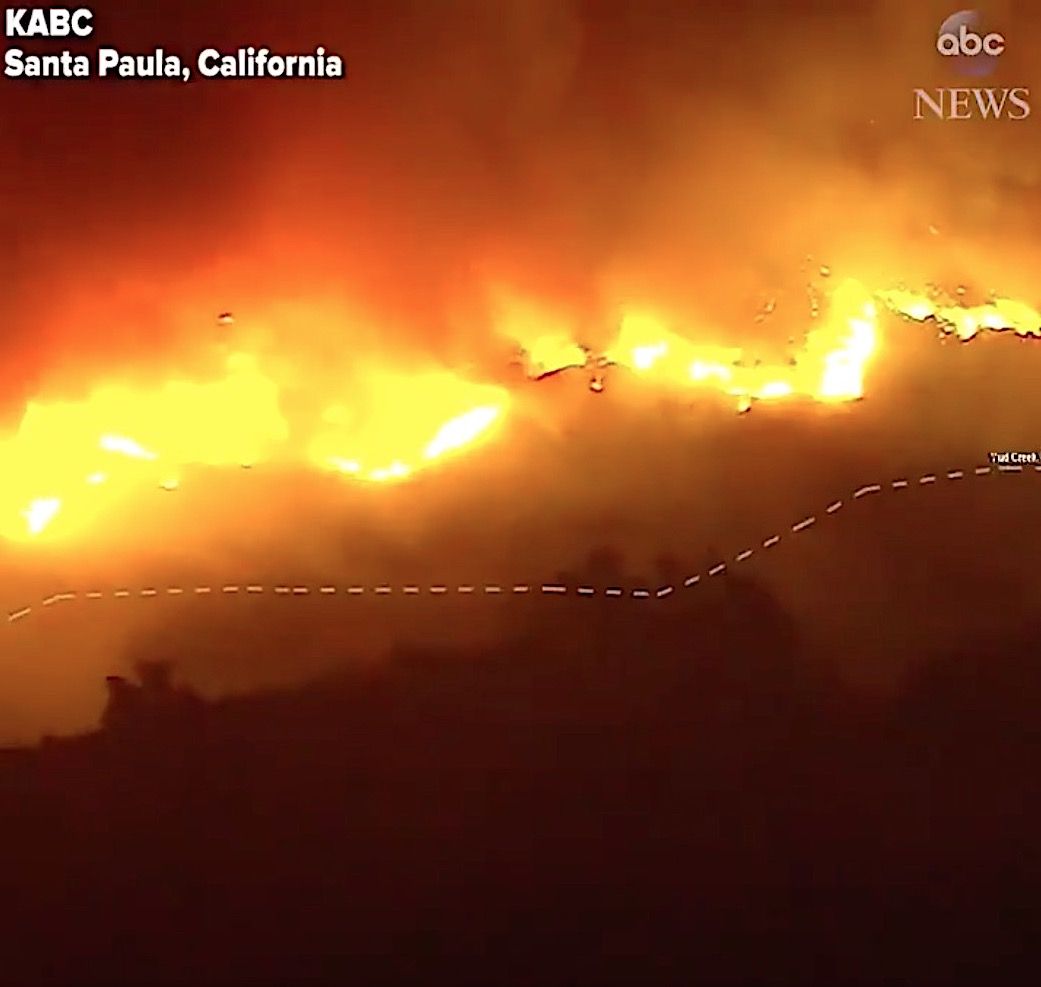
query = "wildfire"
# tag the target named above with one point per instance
(391, 429)
(830, 368)
(999, 315)
(71, 461)
(545, 337)
(461, 431)
(40, 513)
(125, 446)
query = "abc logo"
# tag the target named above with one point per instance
(973, 52)
(970, 43)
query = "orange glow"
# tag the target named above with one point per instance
(830, 367)
(70, 462)
(400, 422)
(126, 447)
(999, 315)
(40, 513)
(461, 431)
(544, 336)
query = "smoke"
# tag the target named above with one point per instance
(695, 160)
(585, 154)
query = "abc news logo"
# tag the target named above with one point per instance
(968, 42)
(974, 54)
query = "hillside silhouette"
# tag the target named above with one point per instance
(680, 799)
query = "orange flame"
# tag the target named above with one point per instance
(385, 434)
(1000, 315)
(830, 368)
(68, 462)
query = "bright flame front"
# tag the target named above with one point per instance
(72, 461)
(69, 462)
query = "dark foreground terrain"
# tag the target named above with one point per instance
(678, 799)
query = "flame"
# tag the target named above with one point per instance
(831, 366)
(393, 413)
(844, 360)
(551, 354)
(81, 455)
(40, 513)
(775, 389)
(125, 447)
(999, 315)
(544, 336)
(461, 431)
(71, 461)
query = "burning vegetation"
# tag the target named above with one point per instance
(71, 461)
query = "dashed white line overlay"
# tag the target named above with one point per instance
(497, 589)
